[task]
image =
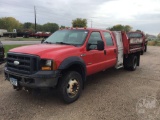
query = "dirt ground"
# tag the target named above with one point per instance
(110, 95)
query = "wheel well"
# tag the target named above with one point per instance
(78, 68)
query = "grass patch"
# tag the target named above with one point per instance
(8, 47)
(20, 39)
(29, 39)
(154, 43)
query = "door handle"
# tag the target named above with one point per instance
(105, 52)
(115, 51)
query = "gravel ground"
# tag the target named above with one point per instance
(110, 95)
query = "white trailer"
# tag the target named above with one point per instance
(2, 31)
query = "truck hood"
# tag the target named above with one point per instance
(41, 49)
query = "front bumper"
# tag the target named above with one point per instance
(41, 79)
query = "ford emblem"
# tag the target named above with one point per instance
(16, 62)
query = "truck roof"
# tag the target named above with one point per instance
(89, 29)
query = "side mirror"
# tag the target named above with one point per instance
(42, 40)
(100, 45)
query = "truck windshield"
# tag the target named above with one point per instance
(67, 37)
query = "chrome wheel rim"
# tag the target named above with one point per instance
(72, 88)
(135, 63)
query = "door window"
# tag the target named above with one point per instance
(92, 42)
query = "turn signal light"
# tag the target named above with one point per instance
(46, 68)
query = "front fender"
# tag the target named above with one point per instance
(74, 60)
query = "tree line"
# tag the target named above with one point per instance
(11, 23)
(83, 23)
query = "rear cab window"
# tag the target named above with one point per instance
(108, 39)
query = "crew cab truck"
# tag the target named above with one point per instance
(65, 58)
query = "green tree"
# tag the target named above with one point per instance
(61, 27)
(9, 23)
(138, 30)
(120, 27)
(127, 28)
(28, 25)
(38, 27)
(79, 22)
(50, 27)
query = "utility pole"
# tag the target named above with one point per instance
(35, 19)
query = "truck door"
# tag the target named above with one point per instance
(99, 58)
(110, 49)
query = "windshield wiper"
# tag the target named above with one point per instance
(64, 43)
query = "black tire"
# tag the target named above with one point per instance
(134, 63)
(142, 52)
(70, 93)
(126, 67)
(126, 63)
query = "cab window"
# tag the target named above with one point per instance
(108, 39)
(92, 42)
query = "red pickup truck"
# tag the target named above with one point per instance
(65, 58)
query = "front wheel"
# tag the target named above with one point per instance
(70, 86)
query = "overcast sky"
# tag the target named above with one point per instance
(140, 14)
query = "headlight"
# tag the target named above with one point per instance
(47, 64)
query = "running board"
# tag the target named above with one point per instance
(119, 66)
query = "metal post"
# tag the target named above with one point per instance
(35, 19)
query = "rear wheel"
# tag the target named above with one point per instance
(142, 52)
(145, 48)
(134, 63)
(70, 86)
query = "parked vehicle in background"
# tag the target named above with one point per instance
(42, 34)
(1, 53)
(65, 58)
(2, 31)
(10, 34)
(24, 34)
(138, 36)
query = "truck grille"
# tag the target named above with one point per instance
(22, 63)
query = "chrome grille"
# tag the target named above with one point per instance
(27, 64)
